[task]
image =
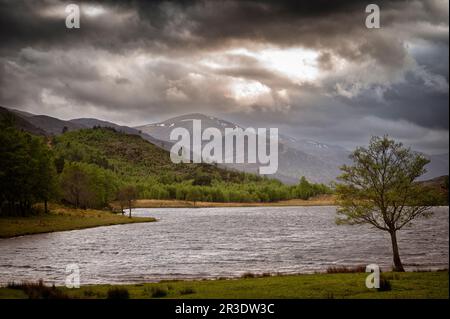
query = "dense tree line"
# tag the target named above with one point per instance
(87, 185)
(269, 191)
(27, 173)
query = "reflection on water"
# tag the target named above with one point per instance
(213, 242)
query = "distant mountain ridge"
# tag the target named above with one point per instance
(21, 123)
(91, 122)
(318, 162)
(295, 159)
(47, 125)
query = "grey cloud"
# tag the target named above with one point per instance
(397, 75)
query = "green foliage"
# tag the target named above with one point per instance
(193, 194)
(380, 189)
(437, 189)
(409, 285)
(202, 179)
(305, 189)
(39, 290)
(87, 185)
(385, 284)
(158, 292)
(187, 291)
(89, 168)
(27, 172)
(134, 161)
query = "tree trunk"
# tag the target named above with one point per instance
(45, 206)
(398, 266)
(130, 209)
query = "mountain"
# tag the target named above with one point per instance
(22, 113)
(318, 162)
(162, 130)
(91, 122)
(438, 166)
(19, 122)
(47, 125)
(132, 158)
(51, 125)
(440, 185)
(323, 151)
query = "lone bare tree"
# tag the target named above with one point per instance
(126, 197)
(379, 189)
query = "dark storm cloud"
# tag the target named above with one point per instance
(198, 25)
(412, 101)
(148, 60)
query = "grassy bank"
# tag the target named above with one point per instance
(339, 285)
(325, 200)
(62, 218)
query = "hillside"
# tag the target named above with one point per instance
(115, 159)
(93, 165)
(48, 125)
(91, 123)
(440, 185)
(316, 161)
(19, 122)
(133, 158)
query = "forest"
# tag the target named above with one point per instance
(90, 168)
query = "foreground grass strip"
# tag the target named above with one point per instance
(410, 285)
(62, 218)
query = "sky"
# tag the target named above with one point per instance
(310, 68)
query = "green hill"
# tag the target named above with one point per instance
(117, 159)
(92, 167)
(134, 159)
(440, 186)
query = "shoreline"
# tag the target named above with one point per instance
(325, 200)
(62, 218)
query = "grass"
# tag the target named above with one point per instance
(343, 269)
(323, 200)
(38, 290)
(118, 293)
(336, 285)
(61, 218)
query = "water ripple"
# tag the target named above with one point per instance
(213, 242)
